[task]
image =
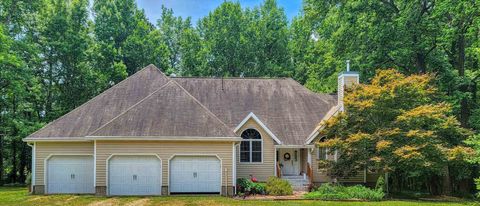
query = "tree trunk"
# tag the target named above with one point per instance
(447, 183)
(460, 66)
(420, 63)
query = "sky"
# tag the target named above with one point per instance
(200, 8)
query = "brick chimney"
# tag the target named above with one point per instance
(345, 80)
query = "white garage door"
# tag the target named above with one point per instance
(195, 174)
(134, 175)
(70, 174)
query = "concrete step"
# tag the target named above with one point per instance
(298, 182)
(293, 177)
(300, 188)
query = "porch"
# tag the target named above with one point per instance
(294, 164)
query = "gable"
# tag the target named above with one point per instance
(252, 119)
(96, 112)
(169, 111)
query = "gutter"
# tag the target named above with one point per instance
(129, 138)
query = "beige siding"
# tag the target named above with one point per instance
(165, 150)
(318, 174)
(46, 149)
(261, 170)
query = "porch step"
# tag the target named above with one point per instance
(297, 182)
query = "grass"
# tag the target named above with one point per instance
(19, 196)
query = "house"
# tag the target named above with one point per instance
(156, 135)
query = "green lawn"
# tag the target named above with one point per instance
(18, 196)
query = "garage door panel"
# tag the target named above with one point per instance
(194, 174)
(70, 174)
(134, 175)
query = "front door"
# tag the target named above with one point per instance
(289, 161)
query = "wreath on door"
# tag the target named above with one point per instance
(286, 156)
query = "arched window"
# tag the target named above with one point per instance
(251, 146)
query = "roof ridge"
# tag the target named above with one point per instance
(204, 107)
(219, 78)
(98, 96)
(134, 105)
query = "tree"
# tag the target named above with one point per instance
(266, 39)
(411, 36)
(398, 125)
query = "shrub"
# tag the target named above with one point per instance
(276, 186)
(380, 185)
(330, 192)
(258, 188)
(244, 185)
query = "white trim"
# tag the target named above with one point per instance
(196, 155)
(250, 140)
(348, 75)
(332, 112)
(131, 154)
(294, 146)
(95, 163)
(34, 164)
(129, 138)
(275, 163)
(234, 169)
(309, 157)
(45, 167)
(165, 138)
(251, 115)
(46, 139)
(32, 174)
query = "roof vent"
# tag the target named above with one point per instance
(348, 65)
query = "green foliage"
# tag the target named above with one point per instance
(278, 187)
(477, 183)
(358, 192)
(397, 125)
(380, 185)
(245, 185)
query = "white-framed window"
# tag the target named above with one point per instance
(251, 146)
(322, 152)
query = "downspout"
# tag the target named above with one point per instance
(32, 175)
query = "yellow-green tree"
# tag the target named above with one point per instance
(398, 125)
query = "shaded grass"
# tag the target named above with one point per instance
(19, 196)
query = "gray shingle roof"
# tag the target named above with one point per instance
(287, 108)
(169, 111)
(94, 113)
(150, 104)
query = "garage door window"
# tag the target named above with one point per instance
(251, 146)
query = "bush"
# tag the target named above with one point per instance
(276, 186)
(258, 188)
(380, 183)
(246, 186)
(330, 192)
